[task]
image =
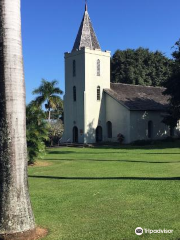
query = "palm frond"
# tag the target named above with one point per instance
(57, 91)
(40, 100)
(55, 102)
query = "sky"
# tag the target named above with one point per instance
(49, 29)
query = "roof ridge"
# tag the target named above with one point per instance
(89, 28)
(139, 85)
(82, 26)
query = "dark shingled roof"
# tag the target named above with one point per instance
(136, 97)
(86, 36)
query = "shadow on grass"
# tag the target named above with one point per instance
(142, 145)
(98, 160)
(159, 153)
(158, 146)
(108, 178)
(105, 153)
(61, 152)
(85, 153)
(146, 147)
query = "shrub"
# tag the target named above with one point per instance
(120, 138)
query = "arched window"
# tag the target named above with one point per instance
(150, 129)
(172, 131)
(109, 129)
(74, 94)
(74, 68)
(98, 93)
(98, 67)
(99, 134)
(75, 134)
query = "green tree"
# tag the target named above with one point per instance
(49, 93)
(140, 67)
(57, 111)
(37, 132)
(55, 131)
(173, 89)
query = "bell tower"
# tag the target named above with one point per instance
(87, 73)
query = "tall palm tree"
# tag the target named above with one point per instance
(49, 93)
(16, 216)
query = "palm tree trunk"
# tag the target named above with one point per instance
(49, 115)
(15, 208)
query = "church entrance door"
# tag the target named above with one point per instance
(75, 135)
(99, 134)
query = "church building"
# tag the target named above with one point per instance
(96, 110)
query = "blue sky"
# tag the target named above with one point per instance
(49, 29)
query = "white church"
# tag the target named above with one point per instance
(96, 110)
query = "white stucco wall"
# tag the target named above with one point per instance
(95, 113)
(119, 116)
(139, 125)
(134, 124)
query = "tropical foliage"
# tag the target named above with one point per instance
(37, 132)
(55, 131)
(140, 67)
(49, 94)
(173, 89)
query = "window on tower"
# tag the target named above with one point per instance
(74, 94)
(74, 68)
(98, 67)
(98, 93)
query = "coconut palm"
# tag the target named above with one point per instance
(49, 93)
(16, 216)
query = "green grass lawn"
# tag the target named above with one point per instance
(105, 193)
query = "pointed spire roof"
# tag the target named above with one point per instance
(86, 36)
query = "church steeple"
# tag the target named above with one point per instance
(86, 8)
(86, 36)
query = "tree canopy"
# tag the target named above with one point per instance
(173, 89)
(140, 67)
